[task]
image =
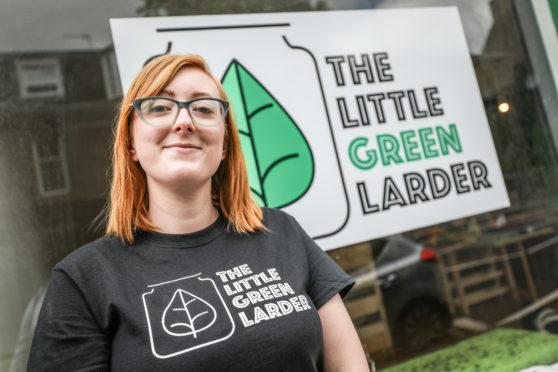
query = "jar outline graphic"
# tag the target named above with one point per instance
(196, 300)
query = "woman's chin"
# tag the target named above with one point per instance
(183, 176)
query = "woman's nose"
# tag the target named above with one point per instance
(183, 121)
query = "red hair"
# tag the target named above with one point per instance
(129, 202)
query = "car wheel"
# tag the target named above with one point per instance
(420, 322)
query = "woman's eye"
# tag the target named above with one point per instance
(204, 110)
(157, 107)
(160, 109)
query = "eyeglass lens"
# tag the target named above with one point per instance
(162, 112)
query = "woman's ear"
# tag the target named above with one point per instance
(224, 153)
(133, 152)
(131, 146)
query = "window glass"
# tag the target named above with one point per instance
(472, 274)
(415, 293)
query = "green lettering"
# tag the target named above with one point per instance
(427, 143)
(371, 157)
(409, 145)
(389, 149)
(450, 139)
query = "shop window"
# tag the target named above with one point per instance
(496, 268)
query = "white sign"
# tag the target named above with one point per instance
(359, 123)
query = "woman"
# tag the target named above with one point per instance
(192, 275)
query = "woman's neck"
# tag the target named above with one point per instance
(181, 212)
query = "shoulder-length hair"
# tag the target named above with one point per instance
(128, 206)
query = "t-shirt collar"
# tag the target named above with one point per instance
(189, 240)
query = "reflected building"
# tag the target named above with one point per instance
(56, 117)
(58, 107)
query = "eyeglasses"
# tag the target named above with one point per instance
(163, 111)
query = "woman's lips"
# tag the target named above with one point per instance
(182, 147)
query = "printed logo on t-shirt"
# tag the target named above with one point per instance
(261, 296)
(185, 314)
(189, 313)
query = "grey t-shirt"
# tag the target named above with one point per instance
(213, 300)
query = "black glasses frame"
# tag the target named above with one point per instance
(186, 104)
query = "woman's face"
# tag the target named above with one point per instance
(182, 155)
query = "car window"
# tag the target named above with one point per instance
(378, 248)
(397, 247)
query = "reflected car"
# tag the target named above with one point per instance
(410, 280)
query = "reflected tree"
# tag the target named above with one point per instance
(153, 8)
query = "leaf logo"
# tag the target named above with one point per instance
(188, 316)
(185, 314)
(279, 161)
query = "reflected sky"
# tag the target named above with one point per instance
(31, 25)
(64, 25)
(71, 25)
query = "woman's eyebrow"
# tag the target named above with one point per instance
(198, 94)
(191, 95)
(166, 92)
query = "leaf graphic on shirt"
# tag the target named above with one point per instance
(278, 158)
(187, 315)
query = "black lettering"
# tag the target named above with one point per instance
(433, 101)
(415, 184)
(367, 208)
(437, 190)
(377, 99)
(335, 62)
(357, 69)
(345, 119)
(361, 103)
(416, 111)
(479, 174)
(459, 178)
(382, 68)
(392, 195)
(396, 98)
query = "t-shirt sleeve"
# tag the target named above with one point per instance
(326, 278)
(67, 337)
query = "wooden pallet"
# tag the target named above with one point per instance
(487, 273)
(473, 274)
(374, 334)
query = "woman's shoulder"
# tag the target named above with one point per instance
(281, 222)
(272, 215)
(91, 254)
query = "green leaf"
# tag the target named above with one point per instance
(278, 158)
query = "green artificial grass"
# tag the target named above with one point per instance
(500, 350)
